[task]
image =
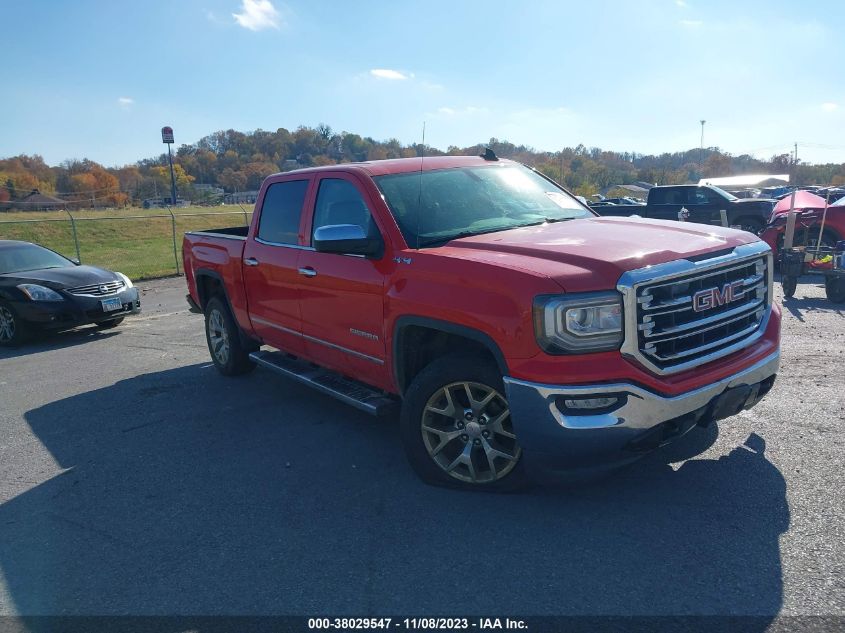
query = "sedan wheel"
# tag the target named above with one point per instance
(7, 325)
(466, 428)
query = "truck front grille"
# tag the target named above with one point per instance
(697, 311)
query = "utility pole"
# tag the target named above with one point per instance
(701, 148)
(795, 157)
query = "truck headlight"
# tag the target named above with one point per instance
(576, 323)
(40, 293)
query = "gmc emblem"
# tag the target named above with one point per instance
(715, 297)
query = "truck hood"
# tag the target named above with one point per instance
(591, 254)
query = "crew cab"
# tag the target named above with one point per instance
(518, 334)
(703, 204)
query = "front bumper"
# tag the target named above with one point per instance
(555, 438)
(76, 310)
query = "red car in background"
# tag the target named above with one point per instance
(807, 225)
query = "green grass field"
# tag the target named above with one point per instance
(137, 242)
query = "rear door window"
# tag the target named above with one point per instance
(281, 212)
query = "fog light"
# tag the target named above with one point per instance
(590, 403)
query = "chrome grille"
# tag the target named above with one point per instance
(695, 312)
(98, 290)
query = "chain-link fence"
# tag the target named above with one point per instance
(140, 246)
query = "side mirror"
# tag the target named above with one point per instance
(347, 239)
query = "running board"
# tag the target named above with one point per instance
(345, 389)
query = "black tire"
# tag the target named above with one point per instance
(107, 325)
(490, 433)
(752, 225)
(224, 339)
(13, 331)
(789, 284)
(834, 287)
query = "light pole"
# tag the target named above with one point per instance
(701, 148)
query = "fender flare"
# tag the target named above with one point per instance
(448, 327)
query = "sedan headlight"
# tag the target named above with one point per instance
(576, 323)
(40, 293)
(125, 279)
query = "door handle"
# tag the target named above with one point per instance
(251, 261)
(308, 272)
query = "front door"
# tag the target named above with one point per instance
(342, 296)
(271, 256)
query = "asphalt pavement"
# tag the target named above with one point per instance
(134, 479)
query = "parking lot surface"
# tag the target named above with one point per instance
(136, 480)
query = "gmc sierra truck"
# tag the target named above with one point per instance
(703, 204)
(519, 334)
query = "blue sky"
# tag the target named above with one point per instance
(98, 79)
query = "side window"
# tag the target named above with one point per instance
(657, 196)
(340, 202)
(281, 211)
(698, 196)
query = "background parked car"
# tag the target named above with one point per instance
(42, 290)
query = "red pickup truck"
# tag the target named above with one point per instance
(521, 334)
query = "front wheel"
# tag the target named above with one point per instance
(789, 284)
(13, 331)
(107, 325)
(456, 426)
(228, 353)
(834, 287)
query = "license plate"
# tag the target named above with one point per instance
(110, 305)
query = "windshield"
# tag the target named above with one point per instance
(21, 257)
(839, 203)
(432, 207)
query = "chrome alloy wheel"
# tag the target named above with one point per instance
(467, 431)
(7, 325)
(218, 336)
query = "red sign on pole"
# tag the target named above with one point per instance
(167, 134)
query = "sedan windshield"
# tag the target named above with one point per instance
(433, 207)
(17, 258)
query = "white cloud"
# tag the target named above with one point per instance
(386, 73)
(125, 101)
(830, 106)
(691, 23)
(257, 15)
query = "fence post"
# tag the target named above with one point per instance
(75, 238)
(173, 225)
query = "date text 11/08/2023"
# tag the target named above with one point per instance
(412, 624)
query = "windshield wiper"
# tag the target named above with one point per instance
(455, 236)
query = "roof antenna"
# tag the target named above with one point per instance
(489, 154)
(419, 197)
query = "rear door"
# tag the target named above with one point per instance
(665, 202)
(342, 296)
(270, 263)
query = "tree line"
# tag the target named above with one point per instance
(238, 161)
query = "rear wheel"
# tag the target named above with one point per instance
(456, 426)
(224, 340)
(13, 331)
